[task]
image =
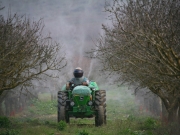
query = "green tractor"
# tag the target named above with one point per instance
(82, 102)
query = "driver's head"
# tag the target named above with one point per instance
(78, 72)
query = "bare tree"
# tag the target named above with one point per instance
(143, 47)
(26, 53)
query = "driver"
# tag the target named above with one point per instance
(78, 79)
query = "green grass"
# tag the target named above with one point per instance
(116, 127)
(122, 119)
(39, 107)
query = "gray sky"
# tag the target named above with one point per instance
(72, 23)
(75, 24)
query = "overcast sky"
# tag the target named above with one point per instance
(72, 23)
(75, 24)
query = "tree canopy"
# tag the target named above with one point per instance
(143, 47)
(26, 52)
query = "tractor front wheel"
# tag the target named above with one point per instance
(99, 118)
(62, 97)
(100, 106)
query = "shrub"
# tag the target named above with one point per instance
(46, 122)
(150, 123)
(10, 132)
(131, 117)
(83, 133)
(4, 122)
(35, 122)
(61, 125)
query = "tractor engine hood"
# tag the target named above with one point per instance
(81, 91)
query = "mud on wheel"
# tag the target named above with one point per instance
(62, 97)
(100, 106)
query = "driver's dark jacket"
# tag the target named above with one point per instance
(79, 81)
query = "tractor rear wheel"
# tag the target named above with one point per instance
(62, 97)
(100, 106)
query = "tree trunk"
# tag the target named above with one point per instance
(1, 109)
(173, 114)
(53, 96)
